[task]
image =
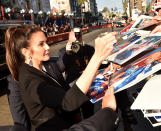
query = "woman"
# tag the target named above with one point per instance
(47, 97)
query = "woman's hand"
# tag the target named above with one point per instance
(104, 45)
(109, 99)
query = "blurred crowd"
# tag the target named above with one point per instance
(55, 29)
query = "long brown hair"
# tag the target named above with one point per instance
(16, 39)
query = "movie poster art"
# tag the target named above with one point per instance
(158, 118)
(125, 77)
(144, 44)
(124, 45)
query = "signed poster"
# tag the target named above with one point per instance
(126, 76)
(124, 45)
(144, 44)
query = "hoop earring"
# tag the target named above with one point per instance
(30, 61)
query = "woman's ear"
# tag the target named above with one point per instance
(25, 52)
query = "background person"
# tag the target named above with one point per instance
(75, 61)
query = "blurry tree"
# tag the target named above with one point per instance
(81, 2)
(112, 14)
(105, 9)
(148, 8)
(125, 5)
(63, 11)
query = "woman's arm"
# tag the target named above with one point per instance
(74, 97)
(105, 119)
(103, 47)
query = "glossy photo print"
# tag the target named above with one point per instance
(124, 45)
(126, 77)
(158, 118)
(138, 47)
(99, 85)
(137, 71)
(101, 82)
(141, 21)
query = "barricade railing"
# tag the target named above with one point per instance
(64, 36)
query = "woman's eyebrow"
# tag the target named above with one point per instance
(43, 40)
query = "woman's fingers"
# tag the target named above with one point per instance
(108, 39)
(109, 99)
(110, 91)
(104, 45)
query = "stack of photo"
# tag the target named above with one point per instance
(135, 59)
(129, 73)
(154, 116)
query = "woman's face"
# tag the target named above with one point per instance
(38, 47)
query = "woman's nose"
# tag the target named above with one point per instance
(47, 46)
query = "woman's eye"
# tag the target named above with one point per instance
(41, 43)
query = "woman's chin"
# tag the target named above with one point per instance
(47, 57)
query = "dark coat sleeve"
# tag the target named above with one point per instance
(104, 120)
(17, 108)
(68, 98)
(55, 97)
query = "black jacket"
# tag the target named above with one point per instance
(48, 101)
(104, 120)
(17, 108)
